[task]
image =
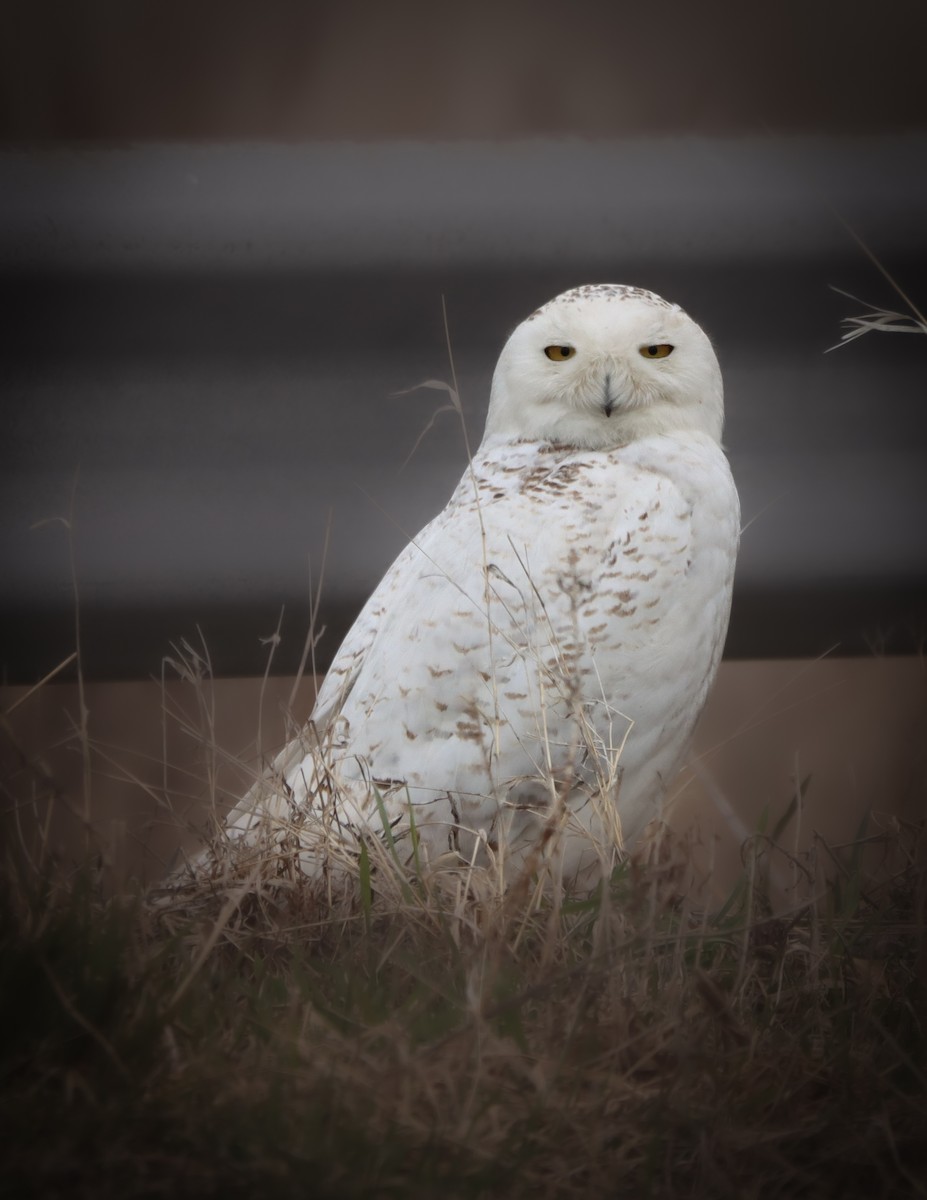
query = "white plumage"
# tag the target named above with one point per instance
(527, 675)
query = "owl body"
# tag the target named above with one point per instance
(535, 645)
(524, 682)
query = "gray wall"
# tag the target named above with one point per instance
(202, 346)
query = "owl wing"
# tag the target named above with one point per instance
(348, 662)
(268, 794)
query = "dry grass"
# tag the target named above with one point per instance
(435, 1035)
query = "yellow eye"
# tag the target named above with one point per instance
(559, 353)
(661, 351)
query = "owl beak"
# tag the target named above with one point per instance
(608, 400)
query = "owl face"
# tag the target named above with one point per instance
(604, 365)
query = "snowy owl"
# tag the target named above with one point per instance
(522, 686)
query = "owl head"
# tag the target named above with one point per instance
(604, 365)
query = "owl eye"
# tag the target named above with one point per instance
(663, 350)
(559, 353)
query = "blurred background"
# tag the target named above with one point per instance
(228, 237)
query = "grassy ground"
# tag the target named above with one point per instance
(433, 1037)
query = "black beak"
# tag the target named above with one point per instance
(609, 402)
